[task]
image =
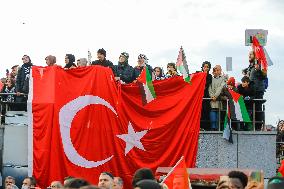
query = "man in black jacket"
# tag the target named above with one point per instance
(102, 61)
(22, 81)
(123, 71)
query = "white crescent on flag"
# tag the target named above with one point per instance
(66, 115)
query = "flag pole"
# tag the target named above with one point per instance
(172, 169)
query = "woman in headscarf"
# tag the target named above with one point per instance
(69, 61)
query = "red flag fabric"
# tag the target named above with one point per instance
(83, 124)
(259, 53)
(281, 169)
(178, 178)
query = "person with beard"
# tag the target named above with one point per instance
(102, 61)
(206, 108)
(142, 62)
(123, 71)
(22, 82)
(69, 62)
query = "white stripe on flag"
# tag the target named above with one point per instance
(238, 111)
(149, 96)
(30, 127)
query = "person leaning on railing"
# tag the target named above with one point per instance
(215, 89)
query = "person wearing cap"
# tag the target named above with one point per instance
(106, 180)
(123, 71)
(142, 62)
(102, 61)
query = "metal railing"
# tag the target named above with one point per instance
(253, 111)
(5, 107)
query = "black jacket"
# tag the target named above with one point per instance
(249, 91)
(124, 71)
(138, 70)
(257, 77)
(105, 63)
(208, 83)
(22, 82)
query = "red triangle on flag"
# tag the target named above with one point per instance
(235, 95)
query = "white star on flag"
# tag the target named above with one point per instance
(132, 139)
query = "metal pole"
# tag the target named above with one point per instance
(253, 115)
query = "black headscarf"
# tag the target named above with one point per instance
(71, 59)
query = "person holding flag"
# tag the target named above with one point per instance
(142, 62)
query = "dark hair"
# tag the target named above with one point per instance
(71, 58)
(245, 79)
(14, 66)
(109, 174)
(102, 51)
(142, 174)
(173, 65)
(206, 62)
(68, 177)
(30, 61)
(90, 187)
(245, 71)
(239, 175)
(161, 71)
(148, 184)
(76, 183)
(275, 183)
(32, 180)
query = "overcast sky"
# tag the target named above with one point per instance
(208, 30)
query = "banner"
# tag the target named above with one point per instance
(82, 123)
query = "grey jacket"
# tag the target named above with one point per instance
(215, 89)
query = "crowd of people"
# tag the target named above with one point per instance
(252, 86)
(145, 179)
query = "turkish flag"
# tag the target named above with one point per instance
(82, 123)
(259, 53)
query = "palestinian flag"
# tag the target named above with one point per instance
(182, 65)
(281, 169)
(241, 112)
(146, 86)
(227, 133)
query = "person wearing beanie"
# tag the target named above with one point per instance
(123, 71)
(102, 61)
(69, 61)
(142, 62)
(50, 60)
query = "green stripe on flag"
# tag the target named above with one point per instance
(149, 83)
